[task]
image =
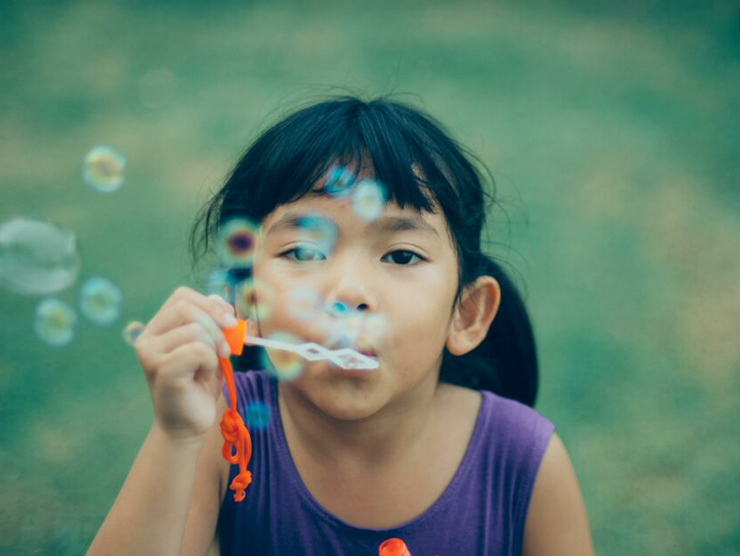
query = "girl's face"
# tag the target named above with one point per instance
(406, 273)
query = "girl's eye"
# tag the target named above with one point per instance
(301, 252)
(405, 256)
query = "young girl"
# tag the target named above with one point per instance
(438, 446)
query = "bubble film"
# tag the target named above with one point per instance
(237, 240)
(103, 169)
(55, 322)
(368, 200)
(37, 258)
(132, 331)
(100, 301)
(284, 365)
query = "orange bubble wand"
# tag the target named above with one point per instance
(236, 436)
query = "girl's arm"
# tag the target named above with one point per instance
(170, 500)
(175, 476)
(556, 520)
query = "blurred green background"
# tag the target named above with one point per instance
(612, 130)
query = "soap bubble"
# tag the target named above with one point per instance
(304, 302)
(356, 330)
(100, 300)
(37, 257)
(284, 365)
(342, 335)
(368, 200)
(132, 331)
(217, 282)
(247, 292)
(103, 169)
(258, 415)
(319, 230)
(237, 240)
(339, 181)
(55, 322)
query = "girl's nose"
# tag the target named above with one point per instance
(348, 280)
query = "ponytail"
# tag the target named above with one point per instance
(505, 362)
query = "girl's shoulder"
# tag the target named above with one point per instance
(507, 430)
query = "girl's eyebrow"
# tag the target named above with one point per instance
(385, 224)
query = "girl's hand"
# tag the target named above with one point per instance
(178, 351)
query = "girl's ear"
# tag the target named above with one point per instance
(473, 316)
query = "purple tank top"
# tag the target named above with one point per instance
(482, 510)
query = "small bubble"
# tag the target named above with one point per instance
(132, 331)
(284, 365)
(254, 299)
(217, 282)
(368, 200)
(103, 169)
(238, 238)
(339, 181)
(258, 415)
(37, 257)
(100, 300)
(55, 322)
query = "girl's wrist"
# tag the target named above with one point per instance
(175, 442)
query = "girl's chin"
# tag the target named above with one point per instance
(341, 397)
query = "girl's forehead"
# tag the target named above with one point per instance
(342, 212)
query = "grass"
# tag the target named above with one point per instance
(611, 130)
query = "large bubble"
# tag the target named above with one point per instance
(103, 169)
(55, 322)
(100, 300)
(283, 364)
(37, 258)
(356, 330)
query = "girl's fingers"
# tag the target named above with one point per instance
(192, 332)
(182, 314)
(190, 359)
(219, 311)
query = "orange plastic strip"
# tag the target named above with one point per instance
(236, 436)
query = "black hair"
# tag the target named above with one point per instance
(418, 164)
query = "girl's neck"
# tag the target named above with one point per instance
(387, 437)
